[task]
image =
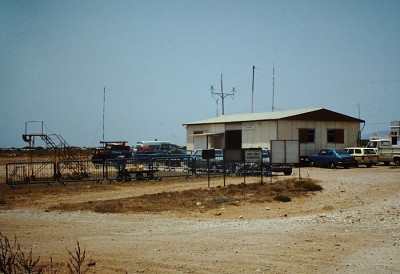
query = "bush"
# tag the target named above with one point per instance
(282, 198)
(308, 185)
(13, 260)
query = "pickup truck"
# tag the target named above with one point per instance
(386, 150)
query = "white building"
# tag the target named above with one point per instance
(314, 129)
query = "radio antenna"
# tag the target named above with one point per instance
(252, 91)
(104, 108)
(273, 87)
(222, 95)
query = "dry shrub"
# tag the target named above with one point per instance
(282, 198)
(76, 261)
(308, 185)
(109, 208)
(14, 260)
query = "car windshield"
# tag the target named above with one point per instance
(369, 151)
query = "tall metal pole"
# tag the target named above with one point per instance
(104, 108)
(222, 96)
(252, 91)
(273, 88)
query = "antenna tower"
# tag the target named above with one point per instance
(222, 95)
(273, 88)
(104, 108)
(252, 91)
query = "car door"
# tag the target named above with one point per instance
(326, 158)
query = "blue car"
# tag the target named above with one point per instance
(332, 158)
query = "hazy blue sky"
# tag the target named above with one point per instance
(158, 59)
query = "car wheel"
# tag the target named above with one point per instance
(288, 172)
(312, 164)
(332, 165)
(397, 161)
(369, 165)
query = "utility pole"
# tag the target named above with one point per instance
(252, 91)
(222, 95)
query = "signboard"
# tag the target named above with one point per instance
(285, 152)
(232, 155)
(247, 127)
(253, 155)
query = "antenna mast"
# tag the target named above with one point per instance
(252, 91)
(273, 87)
(104, 108)
(222, 95)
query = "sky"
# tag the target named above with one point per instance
(157, 60)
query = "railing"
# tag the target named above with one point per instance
(146, 167)
(173, 166)
(80, 171)
(30, 173)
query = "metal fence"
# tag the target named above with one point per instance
(215, 166)
(148, 167)
(173, 166)
(30, 173)
(80, 171)
(123, 169)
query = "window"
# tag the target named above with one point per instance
(306, 135)
(335, 136)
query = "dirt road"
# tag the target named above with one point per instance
(352, 226)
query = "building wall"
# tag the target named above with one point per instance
(204, 135)
(259, 134)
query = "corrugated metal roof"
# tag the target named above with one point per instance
(262, 116)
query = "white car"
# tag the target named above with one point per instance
(363, 155)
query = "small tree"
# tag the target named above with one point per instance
(14, 260)
(76, 261)
(8, 256)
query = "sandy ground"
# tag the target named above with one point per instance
(352, 226)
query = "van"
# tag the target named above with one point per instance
(364, 156)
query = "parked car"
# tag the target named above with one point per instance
(158, 147)
(215, 163)
(332, 157)
(363, 155)
(111, 150)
